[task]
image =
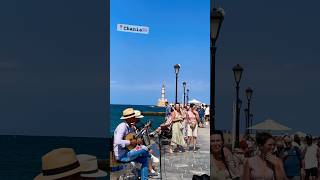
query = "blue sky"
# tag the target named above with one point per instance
(277, 43)
(139, 63)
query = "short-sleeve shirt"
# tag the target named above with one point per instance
(291, 163)
(191, 117)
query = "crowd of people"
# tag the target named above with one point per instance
(183, 122)
(266, 157)
(180, 126)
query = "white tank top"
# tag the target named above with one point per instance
(311, 157)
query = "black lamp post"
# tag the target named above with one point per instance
(247, 120)
(184, 93)
(176, 70)
(188, 96)
(251, 119)
(237, 72)
(216, 19)
(249, 95)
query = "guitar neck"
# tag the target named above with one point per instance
(139, 134)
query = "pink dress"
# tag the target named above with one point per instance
(259, 170)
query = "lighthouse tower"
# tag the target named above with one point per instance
(162, 101)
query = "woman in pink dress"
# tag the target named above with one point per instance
(192, 119)
(265, 165)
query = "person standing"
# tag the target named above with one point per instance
(185, 110)
(177, 128)
(207, 114)
(311, 155)
(192, 117)
(222, 164)
(264, 165)
(168, 109)
(292, 160)
(201, 112)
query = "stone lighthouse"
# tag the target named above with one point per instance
(162, 101)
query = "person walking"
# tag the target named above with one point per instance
(311, 155)
(177, 139)
(185, 110)
(201, 112)
(264, 165)
(207, 114)
(292, 160)
(192, 117)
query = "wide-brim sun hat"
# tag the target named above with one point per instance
(89, 166)
(59, 163)
(128, 113)
(138, 114)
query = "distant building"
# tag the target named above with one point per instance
(162, 101)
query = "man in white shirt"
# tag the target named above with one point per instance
(311, 157)
(207, 114)
(139, 153)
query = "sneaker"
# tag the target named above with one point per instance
(152, 134)
(153, 173)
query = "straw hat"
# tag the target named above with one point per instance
(59, 163)
(128, 113)
(138, 114)
(89, 166)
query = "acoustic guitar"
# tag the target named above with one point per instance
(131, 136)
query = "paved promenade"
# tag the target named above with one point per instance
(183, 165)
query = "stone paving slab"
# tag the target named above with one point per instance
(183, 165)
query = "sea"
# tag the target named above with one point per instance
(116, 113)
(20, 156)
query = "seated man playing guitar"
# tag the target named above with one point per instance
(138, 154)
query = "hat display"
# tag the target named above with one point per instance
(138, 114)
(128, 113)
(89, 166)
(59, 163)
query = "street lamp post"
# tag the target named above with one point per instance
(237, 72)
(251, 119)
(216, 19)
(249, 95)
(176, 70)
(184, 93)
(247, 120)
(187, 96)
